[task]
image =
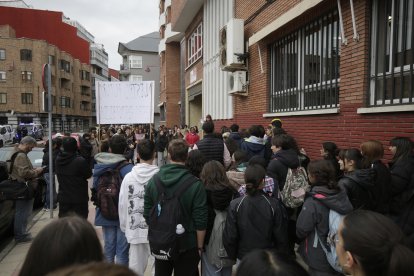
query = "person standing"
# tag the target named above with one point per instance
(115, 242)
(85, 148)
(192, 137)
(56, 144)
(23, 171)
(131, 220)
(194, 206)
(160, 146)
(72, 172)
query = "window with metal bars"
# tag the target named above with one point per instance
(305, 67)
(391, 68)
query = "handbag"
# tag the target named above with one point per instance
(12, 189)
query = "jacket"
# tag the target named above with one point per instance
(402, 184)
(192, 138)
(382, 190)
(255, 222)
(315, 215)
(131, 218)
(278, 167)
(22, 167)
(254, 146)
(193, 201)
(236, 176)
(161, 143)
(105, 161)
(359, 186)
(236, 137)
(45, 159)
(212, 148)
(72, 172)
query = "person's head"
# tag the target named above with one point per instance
(27, 144)
(208, 127)
(401, 148)
(352, 160)
(371, 151)
(278, 131)
(94, 269)
(329, 150)
(178, 150)
(93, 135)
(117, 144)
(257, 131)
(322, 173)
(264, 262)
(370, 244)
(208, 118)
(276, 123)
(104, 146)
(146, 149)
(192, 130)
(240, 156)
(69, 144)
(254, 177)
(214, 176)
(341, 158)
(283, 142)
(258, 160)
(195, 162)
(61, 243)
(128, 131)
(86, 136)
(234, 128)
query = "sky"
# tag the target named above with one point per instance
(109, 21)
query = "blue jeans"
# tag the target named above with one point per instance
(21, 217)
(208, 269)
(115, 244)
(47, 196)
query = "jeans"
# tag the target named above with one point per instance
(208, 269)
(115, 244)
(185, 265)
(21, 217)
(160, 158)
(47, 196)
(139, 254)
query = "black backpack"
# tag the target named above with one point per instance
(163, 218)
(107, 193)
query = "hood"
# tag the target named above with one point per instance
(337, 201)
(65, 158)
(363, 177)
(255, 140)
(288, 157)
(142, 173)
(170, 174)
(108, 158)
(235, 136)
(252, 147)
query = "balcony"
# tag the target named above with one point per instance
(65, 75)
(161, 46)
(185, 11)
(124, 69)
(86, 83)
(167, 4)
(171, 36)
(162, 19)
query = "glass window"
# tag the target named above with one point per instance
(64, 65)
(51, 60)
(3, 98)
(195, 45)
(305, 67)
(26, 76)
(2, 54)
(27, 98)
(391, 68)
(65, 102)
(26, 54)
(2, 75)
(135, 78)
(135, 61)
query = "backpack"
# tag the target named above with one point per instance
(216, 253)
(163, 219)
(296, 186)
(107, 193)
(334, 220)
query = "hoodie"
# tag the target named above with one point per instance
(105, 161)
(278, 167)
(254, 146)
(193, 200)
(359, 186)
(315, 216)
(131, 203)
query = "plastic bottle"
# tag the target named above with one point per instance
(179, 230)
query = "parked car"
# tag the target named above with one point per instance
(34, 130)
(7, 135)
(7, 207)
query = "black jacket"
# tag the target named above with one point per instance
(212, 148)
(45, 159)
(72, 172)
(255, 222)
(402, 184)
(85, 149)
(236, 137)
(382, 190)
(359, 186)
(315, 215)
(278, 167)
(161, 143)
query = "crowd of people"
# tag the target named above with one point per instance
(234, 209)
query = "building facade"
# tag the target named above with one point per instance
(24, 48)
(100, 72)
(140, 62)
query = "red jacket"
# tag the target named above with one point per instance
(192, 138)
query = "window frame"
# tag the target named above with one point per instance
(194, 46)
(2, 56)
(3, 75)
(26, 54)
(135, 62)
(27, 98)
(65, 102)
(1, 98)
(27, 76)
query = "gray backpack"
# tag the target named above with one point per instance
(216, 254)
(296, 186)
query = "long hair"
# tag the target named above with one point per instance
(371, 151)
(404, 147)
(195, 162)
(253, 177)
(377, 244)
(324, 173)
(214, 176)
(354, 155)
(331, 150)
(63, 242)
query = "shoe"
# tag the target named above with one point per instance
(25, 240)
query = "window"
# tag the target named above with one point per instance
(3, 98)
(2, 54)
(162, 113)
(65, 102)
(392, 59)
(195, 45)
(27, 98)
(305, 67)
(135, 78)
(84, 75)
(135, 61)
(2, 75)
(64, 65)
(26, 76)
(51, 60)
(26, 54)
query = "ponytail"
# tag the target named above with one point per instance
(253, 177)
(401, 261)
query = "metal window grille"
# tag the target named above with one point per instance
(391, 68)
(305, 67)
(26, 54)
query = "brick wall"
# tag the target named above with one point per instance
(172, 89)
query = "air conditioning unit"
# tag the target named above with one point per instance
(238, 83)
(231, 41)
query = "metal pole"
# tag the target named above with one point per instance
(49, 108)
